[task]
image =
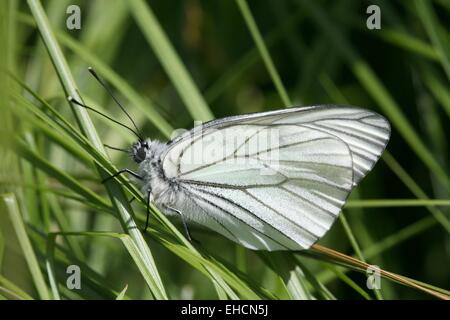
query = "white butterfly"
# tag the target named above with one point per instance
(231, 175)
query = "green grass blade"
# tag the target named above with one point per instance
(13, 290)
(116, 193)
(53, 164)
(439, 90)
(435, 32)
(369, 80)
(351, 236)
(16, 219)
(341, 275)
(62, 69)
(407, 42)
(92, 280)
(2, 249)
(240, 258)
(144, 105)
(409, 231)
(355, 264)
(64, 225)
(126, 240)
(122, 293)
(355, 246)
(225, 275)
(400, 236)
(322, 291)
(50, 265)
(398, 170)
(254, 31)
(290, 273)
(416, 189)
(214, 275)
(170, 60)
(389, 242)
(221, 294)
(232, 75)
(39, 162)
(381, 203)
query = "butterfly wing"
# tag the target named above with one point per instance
(275, 180)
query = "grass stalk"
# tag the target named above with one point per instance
(256, 35)
(116, 193)
(170, 60)
(18, 224)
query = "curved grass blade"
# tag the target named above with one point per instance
(435, 32)
(22, 150)
(234, 73)
(126, 240)
(144, 105)
(341, 275)
(16, 219)
(407, 42)
(415, 189)
(254, 31)
(290, 273)
(92, 280)
(350, 261)
(122, 293)
(356, 246)
(369, 80)
(215, 276)
(116, 193)
(11, 289)
(50, 265)
(170, 60)
(437, 87)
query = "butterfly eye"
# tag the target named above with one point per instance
(140, 155)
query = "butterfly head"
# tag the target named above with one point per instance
(139, 150)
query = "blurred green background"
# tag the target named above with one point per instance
(175, 62)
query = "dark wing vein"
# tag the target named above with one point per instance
(239, 219)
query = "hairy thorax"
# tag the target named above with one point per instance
(165, 191)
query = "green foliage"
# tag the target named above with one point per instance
(172, 63)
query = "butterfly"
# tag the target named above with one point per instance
(271, 181)
(232, 176)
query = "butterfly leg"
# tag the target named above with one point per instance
(134, 174)
(186, 229)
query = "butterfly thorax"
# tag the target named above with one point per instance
(165, 191)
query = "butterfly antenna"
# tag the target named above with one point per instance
(115, 148)
(103, 84)
(73, 100)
